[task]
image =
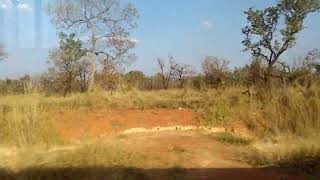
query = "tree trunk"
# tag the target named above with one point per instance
(165, 84)
(106, 75)
(68, 84)
(181, 84)
(93, 72)
(93, 61)
(267, 75)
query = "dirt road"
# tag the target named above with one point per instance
(193, 155)
(163, 155)
(177, 155)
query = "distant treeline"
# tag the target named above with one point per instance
(81, 66)
(215, 74)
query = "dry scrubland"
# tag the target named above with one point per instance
(273, 125)
(282, 127)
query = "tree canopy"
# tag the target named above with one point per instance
(273, 30)
(105, 24)
(65, 64)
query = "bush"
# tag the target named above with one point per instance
(227, 137)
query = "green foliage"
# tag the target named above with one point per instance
(215, 113)
(92, 19)
(135, 79)
(215, 70)
(227, 137)
(66, 62)
(264, 35)
(71, 48)
(255, 72)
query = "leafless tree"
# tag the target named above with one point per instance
(182, 72)
(312, 60)
(212, 63)
(83, 68)
(109, 73)
(105, 23)
(166, 73)
(2, 53)
(214, 69)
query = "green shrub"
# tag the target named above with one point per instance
(227, 137)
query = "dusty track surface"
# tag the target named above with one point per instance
(166, 154)
(193, 155)
(83, 124)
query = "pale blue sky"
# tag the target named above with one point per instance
(186, 29)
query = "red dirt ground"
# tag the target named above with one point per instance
(81, 124)
(200, 156)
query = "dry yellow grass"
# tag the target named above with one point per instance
(292, 111)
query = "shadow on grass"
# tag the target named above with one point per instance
(125, 173)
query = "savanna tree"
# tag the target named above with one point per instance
(273, 30)
(106, 24)
(65, 61)
(215, 69)
(313, 60)
(135, 79)
(166, 72)
(83, 73)
(182, 72)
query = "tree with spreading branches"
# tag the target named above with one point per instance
(166, 72)
(106, 24)
(215, 70)
(182, 73)
(65, 62)
(272, 31)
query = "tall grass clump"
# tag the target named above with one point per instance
(25, 119)
(227, 137)
(289, 151)
(293, 110)
(94, 160)
(290, 110)
(94, 154)
(23, 122)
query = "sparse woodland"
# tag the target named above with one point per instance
(276, 100)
